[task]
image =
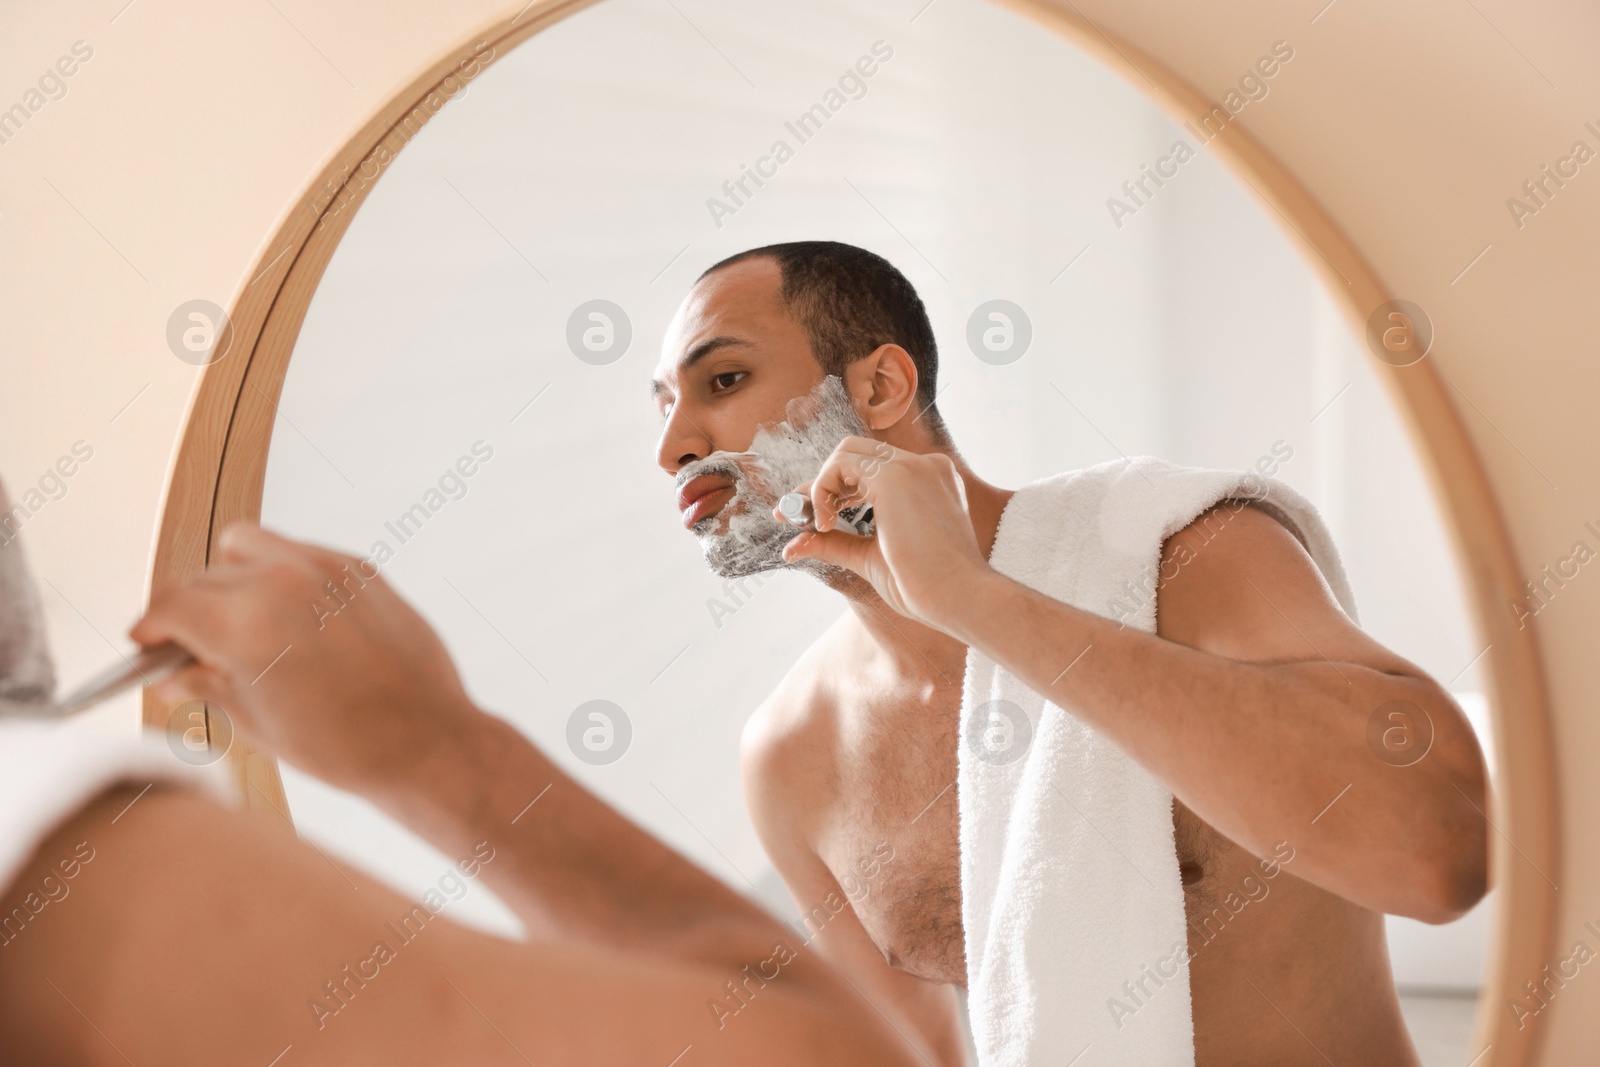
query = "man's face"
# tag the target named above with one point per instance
(748, 414)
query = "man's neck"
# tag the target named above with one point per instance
(916, 648)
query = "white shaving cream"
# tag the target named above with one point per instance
(744, 538)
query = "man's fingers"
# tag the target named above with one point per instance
(169, 612)
(202, 613)
(836, 547)
(247, 543)
(196, 683)
(843, 482)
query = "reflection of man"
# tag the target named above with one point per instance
(1250, 703)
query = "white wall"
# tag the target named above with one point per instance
(1193, 331)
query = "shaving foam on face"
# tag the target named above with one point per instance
(744, 538)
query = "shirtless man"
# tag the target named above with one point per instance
(1253, 713)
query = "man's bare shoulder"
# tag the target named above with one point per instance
(798, 713)
(786, 747)
(1217, 574)
(1238, 583)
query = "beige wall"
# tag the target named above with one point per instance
(194, 127)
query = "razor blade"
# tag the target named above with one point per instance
(797, 510)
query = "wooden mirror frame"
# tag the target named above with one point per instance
(219, 468)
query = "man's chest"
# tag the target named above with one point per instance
(891, 809)
(895, 795)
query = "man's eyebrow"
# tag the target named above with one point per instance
(699, 352)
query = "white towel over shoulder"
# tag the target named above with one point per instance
(1069, 874)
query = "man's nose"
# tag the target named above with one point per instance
(681, 443)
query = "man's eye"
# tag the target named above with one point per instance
(727, 380)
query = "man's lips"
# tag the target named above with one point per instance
(703, 496)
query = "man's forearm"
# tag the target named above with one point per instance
(566, 863)
(1258, 750)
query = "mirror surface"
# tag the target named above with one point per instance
(988, 160)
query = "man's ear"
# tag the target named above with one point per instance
(883, 386)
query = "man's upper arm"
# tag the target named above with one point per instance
(1252, 593)
(1237, 583)
(1316, 702)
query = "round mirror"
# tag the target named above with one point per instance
(468, 405)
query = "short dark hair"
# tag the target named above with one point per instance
(850, 301)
